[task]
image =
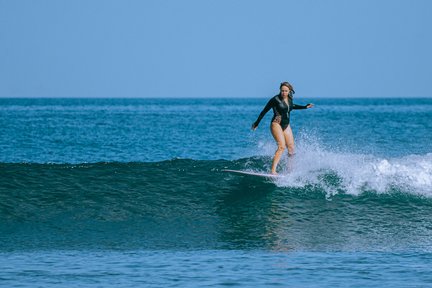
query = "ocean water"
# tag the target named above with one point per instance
(131, 192)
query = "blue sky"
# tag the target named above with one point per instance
(215, 48)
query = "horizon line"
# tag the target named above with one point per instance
(220, 97)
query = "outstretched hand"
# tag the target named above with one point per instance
(309, 105)
(254, 126)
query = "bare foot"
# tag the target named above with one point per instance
(274, 173)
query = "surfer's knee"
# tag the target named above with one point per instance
(281, 147)
(290, 149)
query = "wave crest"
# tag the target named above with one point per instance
(339, 172)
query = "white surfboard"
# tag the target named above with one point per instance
(250, 173)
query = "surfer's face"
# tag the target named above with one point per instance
(284, 91)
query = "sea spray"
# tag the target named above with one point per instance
(342, 172)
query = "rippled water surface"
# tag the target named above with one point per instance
(127, 192)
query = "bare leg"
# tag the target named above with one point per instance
(278, 135)
(289, 140)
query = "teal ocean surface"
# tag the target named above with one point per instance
(131, 192)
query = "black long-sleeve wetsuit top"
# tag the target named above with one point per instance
(281, 111)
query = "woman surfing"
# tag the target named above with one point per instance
(282, 104)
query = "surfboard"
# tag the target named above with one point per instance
(251, 173)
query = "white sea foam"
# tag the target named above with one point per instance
(342, 172)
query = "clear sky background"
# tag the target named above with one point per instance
(215, 48)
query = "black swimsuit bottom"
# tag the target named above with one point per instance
(281, 110)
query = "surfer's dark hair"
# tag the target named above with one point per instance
(290, 87)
